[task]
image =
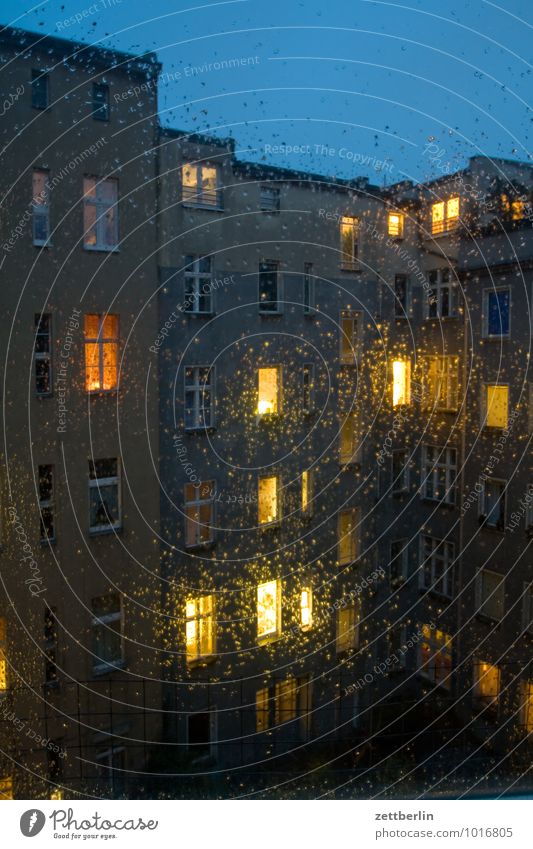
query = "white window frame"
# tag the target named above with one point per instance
(438, 557)
(444, 283)
(401, 485)
(449, 223)
(196, 503)
(41, 210)
(97, 483)
(350, 343)
(484, 597)
(485, 317)
(439, 460)
(195, 196)
(483, 512)
(275, 266)
(196, 390)
(195, 280)
(269, 198)
(102, 206)
(351, 263)
(101, 341)
(100, 665)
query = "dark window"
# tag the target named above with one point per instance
(401, 296)
(398, 561)
(40, 89)
(46, 502)
(50, 647)
(498, 313)
(308, 387)
(107, 630)
(104, 495)
(309, 288)
(100, 102)
(199, 733)
(54, 762)
(43, 354)
(269, 286)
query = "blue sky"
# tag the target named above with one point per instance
(356, 82)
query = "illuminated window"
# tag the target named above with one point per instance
(395, 224)
(445, 215)
(441, 382)
(349, 230)
(437, 565)
(347, 638)
(496, 313)
(262, 709)
(436, 656)
(269, 287)
(307, 492)
(104, 495)
(198, 279)
(46, 503)
(269, 497)
(496, 405)
(100, 102)
(101, 352)
(56, 794)
(285, 700)
(100, 214)
(200, 628)
(40, 89)
(347, 548)
(291, 700)
(50, 647)
(527, 608)
(6, 788)
(308, 387)
(349, 441)
(306, 608)
(527, 706)
(200, 185)
(107, 630)
(40, 207)
(43, 354)
(513, 209)
(492, 504)
(350, 327)
(199, 397)
(3, 656)
(398, 562)
(268, 610)
(268, 391)
(309, 289)
(269, 198)
(441, 300)
(490, 594)
(199, 513)
(400, 472)
(402, 296)
(486, 683)
(401, 382)
(439, 472)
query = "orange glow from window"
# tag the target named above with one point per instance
(401, 382)
(395, 224)
(268, 610)
(101, 352)
(268, 391)
(268, 500)
(306, 608)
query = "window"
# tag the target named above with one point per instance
(527, 608)
(395, 224)
(201, 733)
(200, 628)
(490, 594)
(309, 289)
(400, 472)
(397, 647)
(50, 647)
(306, 608)
(347, 535)
(401, 382)
(486, 684)
(526, 698)
(107, 628)
(46, 503)
(402, 296)
(269, 497)
(6, 788)
(436, 656)
(268, 391)
(199, 397)
(439, 472)
(100, 102)
(262, 709)
(269, 199)
(441, 301)
(285, 701)
(398, 562)
(441, 380)
(40, 89)
(308, 387)
(351, 326)
(110, 768)
(104, 495)
(100, 214)
(199, 513)
(530, 408)
(268, 610)
(513, 208)
(437, 565)
(40, 207)
(291, 699)
(269, 287)
(492, 504)
(445, 215)
(199, 285)
(306, 501)
(43, 354)
(347, 628)
(349, 229)
(3, 656)
(349, 442)
(496, 313)
(495, 405)
(101, 352)
(200, 185)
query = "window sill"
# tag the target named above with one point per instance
(42, 395)
(351, 268)
(439, 501)
(48, 541)
(46, 244)
(200, 429)
(208, 207)
(199, 662)
(504, 337)
(200, 546)
(268, 313)
(103, 392)
(107, 249)
(488, 620)
(107, 668)
(198, 314)
(109, 529)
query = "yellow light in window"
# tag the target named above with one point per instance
(199, 628)
(306, 608)
(401, 382)
(528, 706)
(268, 500)
(6, 788)
(488, 681)
(261, 709)
(268, 391)
(452, 210)
(306, 491)
(517, 210)
(497, 406)
(395, 224)
(437, 217)
(268, 613)
(56, 794)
